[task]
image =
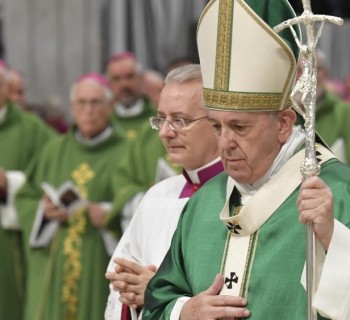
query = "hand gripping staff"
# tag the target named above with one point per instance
(307, 85)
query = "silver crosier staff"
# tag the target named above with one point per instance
(307, 85)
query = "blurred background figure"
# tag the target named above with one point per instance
(52, 112)
(22, 137)
(144, 157)
(136, 95)
(131, 108)
(16, 87)
(54, 115)
(152, 85)
(69, 248)
(158, 32)
(347, 88)
(332, 112)
(331, 7)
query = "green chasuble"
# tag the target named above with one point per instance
(332, 121)
(132, 125)
(276, 256)
(22, 136)
(66, 278)
(140, 168)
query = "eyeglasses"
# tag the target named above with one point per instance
(94, 103)
(176, 124)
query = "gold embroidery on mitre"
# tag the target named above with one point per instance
(242, 100)
(226, 100)
(72, 246)
(223, 50)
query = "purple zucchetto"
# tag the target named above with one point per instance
(96, 77)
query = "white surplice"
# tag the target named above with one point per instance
(157, 214)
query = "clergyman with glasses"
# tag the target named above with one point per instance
(190, 141)
(69, 249)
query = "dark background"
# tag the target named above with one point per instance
(340, 8)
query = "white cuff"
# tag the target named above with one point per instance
(175, 313)
(332, 297)
(8, 213)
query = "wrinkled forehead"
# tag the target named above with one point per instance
(228, 116)
(181, 97)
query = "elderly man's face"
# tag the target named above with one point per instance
(125, 81)
(250, 141)
(90, 109)
(196, 145)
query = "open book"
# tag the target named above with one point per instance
(67, 196)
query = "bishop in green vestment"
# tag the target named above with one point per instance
(22, 136)
(239, 248)
(145, 161)
(131, 124)
(132, 109)
(333, 116)
(332, 113)
(69, 248)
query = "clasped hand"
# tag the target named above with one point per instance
(130, 280)
(209, 305)
(52, 211)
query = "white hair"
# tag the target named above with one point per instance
(185, 73)
(106, 91)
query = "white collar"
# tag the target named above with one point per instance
(129, 111)
(193, 174)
